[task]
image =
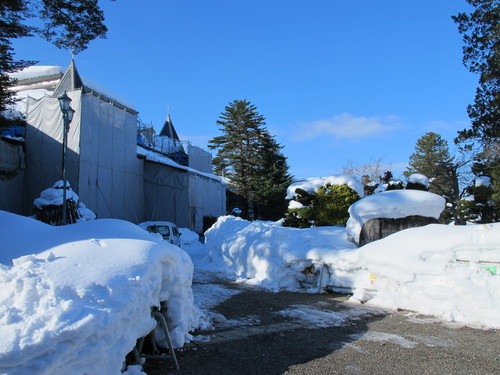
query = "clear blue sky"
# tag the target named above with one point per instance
(337, 80)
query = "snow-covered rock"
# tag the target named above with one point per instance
(392, 204)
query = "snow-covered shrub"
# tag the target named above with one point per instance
(331, 204)
(478, 206)
(318, 201)
(417, 181)
(49, 206)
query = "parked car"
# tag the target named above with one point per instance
(168, 230)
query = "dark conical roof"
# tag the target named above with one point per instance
(168, 129)
(70, 81)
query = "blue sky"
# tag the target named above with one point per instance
(337, 80)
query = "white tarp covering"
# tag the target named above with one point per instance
(110, 180)
(165, 194)
(44, 137)
(207, 197)
(101, 160)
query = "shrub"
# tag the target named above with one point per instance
(331, 204)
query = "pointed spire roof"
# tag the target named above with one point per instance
(168, 129)
(70, 81)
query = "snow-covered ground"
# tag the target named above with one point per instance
(437, 269)
(74, 299)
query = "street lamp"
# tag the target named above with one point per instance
(68, 112)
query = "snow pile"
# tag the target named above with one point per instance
(436, 270)
(188, 237)
(311, 185)
(269, 255)
(392, 204)
(80, 301)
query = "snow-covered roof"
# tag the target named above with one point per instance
(57, 80)
(393, 204)
(311, 185)
(37, 71)
(162, 159)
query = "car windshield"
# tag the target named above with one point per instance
(162, 229)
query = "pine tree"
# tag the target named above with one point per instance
(432, 159)
(250, 158)
(273, 180)
(481, 36)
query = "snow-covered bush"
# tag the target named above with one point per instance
(331, 204)
(321, 201)
(478, 207)
(417, 181)
(48, 207)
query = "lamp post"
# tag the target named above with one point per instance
(67, 111)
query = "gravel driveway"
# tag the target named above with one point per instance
(265, 333)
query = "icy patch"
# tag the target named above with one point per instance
(323, 318)
(384, 337)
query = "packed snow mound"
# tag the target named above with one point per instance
(440, 270)
(269, 255)
(311, 185)
(75, 298)
(392, 204)
(435, 270)
(188, 237)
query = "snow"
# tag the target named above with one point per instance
(74, 299)
(54, 196)
(156, 157)
(311, 185)
(435, 270)
(267, 254)
(37, 71)
(418, 178)
(392, 204)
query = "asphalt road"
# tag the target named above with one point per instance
(367, 341)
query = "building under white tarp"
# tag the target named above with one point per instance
(105, 167)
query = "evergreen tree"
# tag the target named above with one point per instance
(481, 35)
(272, 181)
(432, 159)
(250, 158)
(68, 24)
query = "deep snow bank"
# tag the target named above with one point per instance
(437, 269)
(266, 253)
(78, 304)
